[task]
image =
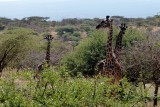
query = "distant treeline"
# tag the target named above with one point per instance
(44, 21)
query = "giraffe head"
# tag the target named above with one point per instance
(105, 23)
(123, 27)
(48, 37)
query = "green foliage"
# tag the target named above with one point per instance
(4, 21)
(68, 33)
(12, 33)
(74, 38)
(71, 21)
(65, 29)
(85, 27)
(76, 34)
(14, 45)
(142, 60)
(60, 90)
(87, 54)
(21, 31)
(36, 18)
(133, 35)
(91, 50)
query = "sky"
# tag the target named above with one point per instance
(60, 9)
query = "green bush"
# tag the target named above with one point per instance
(76, 34)
(86, 54)
(65, 29)
(21, 31)
(85, 27)
(60, 90)
(133, 35)
(16, 44)
(91, 50)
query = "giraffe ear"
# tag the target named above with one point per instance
(98, 26)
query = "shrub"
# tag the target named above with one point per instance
(65, 29)
(91, 50)
(59, 89)
(14, 45)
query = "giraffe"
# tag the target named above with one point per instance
(104, 24)
(109, 67)
(49, 39)
(118, 46)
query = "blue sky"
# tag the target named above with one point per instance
(59, 9)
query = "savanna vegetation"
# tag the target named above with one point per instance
(72, 80)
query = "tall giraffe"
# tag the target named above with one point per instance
(104, 24)
(118, 46)
(49, 39)
(110, 67)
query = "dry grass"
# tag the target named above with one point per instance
(19, 81)
(54, 34)
(150, 89)
(6, 72)
(150, 104)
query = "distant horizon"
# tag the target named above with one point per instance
(62, 9)
(75, 17)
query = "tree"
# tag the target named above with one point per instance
(4, 21)
(85, 27)
(13, 47)
(10, 49)
(91, 50)
(71, 21)
(86, 54)
(65, 29)
(144, 62)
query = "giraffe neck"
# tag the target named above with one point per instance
(48, 53)
(109, 42)
(118, 46)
